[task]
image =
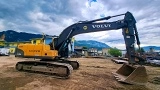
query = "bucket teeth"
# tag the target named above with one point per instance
(120, 80)
(117, 78)
(131, 75)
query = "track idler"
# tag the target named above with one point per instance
(74, 64)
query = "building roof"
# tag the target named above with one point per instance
(36, 39)
(76, 47)
(105, 48)
(93, 49)
(20, 42)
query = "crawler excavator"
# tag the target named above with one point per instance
(52, 59)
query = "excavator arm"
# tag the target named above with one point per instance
(127, 73)
(128, 26)
(51, 62)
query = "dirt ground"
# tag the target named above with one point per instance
(93, 74)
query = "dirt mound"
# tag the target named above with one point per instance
(155, 80)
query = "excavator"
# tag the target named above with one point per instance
(53, 56)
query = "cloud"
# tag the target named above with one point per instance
(53, 16)
(2, 26)
(91, 1)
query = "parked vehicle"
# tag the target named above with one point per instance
(149, 59)
(4, 52)
(153, 61)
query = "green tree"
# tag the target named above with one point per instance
(141, 50)
(115, 52)
(84, 47)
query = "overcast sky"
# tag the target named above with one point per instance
(53, 16)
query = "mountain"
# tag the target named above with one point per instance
(91, 44)
(147, 48)
(13, 36)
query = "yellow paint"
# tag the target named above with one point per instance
(85, 27)
(2, 43)
(37, 50)
(12, 50)
(127, 30)
(36, 41)
(13, 45)
(73, 39)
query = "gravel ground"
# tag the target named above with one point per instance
(93, 74)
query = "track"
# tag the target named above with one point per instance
(59, 70)
(74, 64)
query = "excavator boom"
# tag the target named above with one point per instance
(127, 73)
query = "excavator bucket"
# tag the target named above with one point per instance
(131, 74)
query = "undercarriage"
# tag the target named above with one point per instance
(57, 68)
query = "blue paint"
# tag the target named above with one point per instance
(48, 40)
(90, 1)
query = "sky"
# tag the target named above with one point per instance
(53, 16)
